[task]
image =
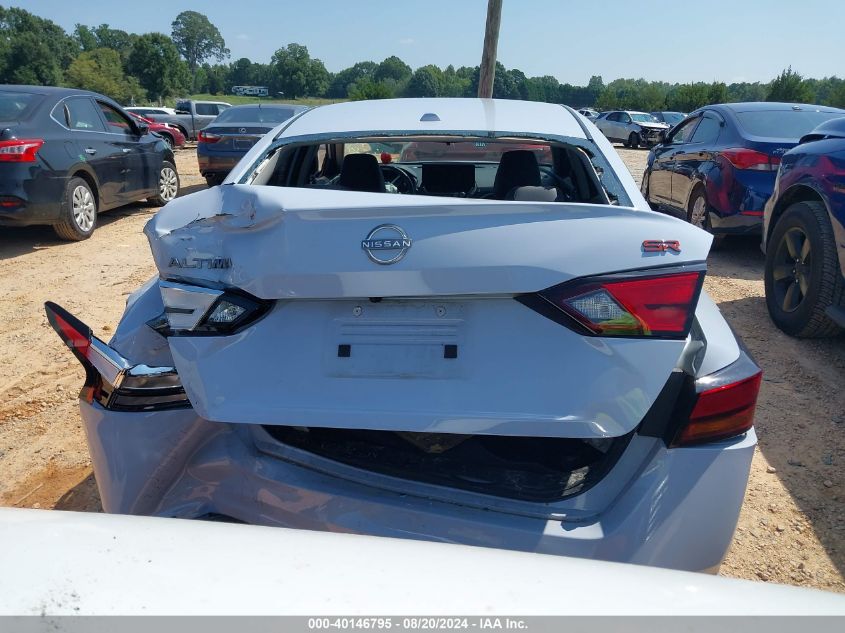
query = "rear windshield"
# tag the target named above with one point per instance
(783, 123)
(15, 106)
(255, 115)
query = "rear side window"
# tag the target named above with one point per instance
(81, 114)
(206, 109)
(707, 131)
(792, 124)
(118, 124)
(16, 106)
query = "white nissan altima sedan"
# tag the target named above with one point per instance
(441, 319)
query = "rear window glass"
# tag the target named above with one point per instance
(783, 123)
(255, 115)
(15, 106)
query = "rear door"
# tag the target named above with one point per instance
(92, 144)
(690, 157)
(440, 340)
(133, 151)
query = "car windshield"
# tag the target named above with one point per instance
(15, 106)
(792, 124)
(673, 118)
(255, 114)
(642, 117)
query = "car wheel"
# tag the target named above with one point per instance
(168, 184)
(212, 180)
(633, 141)
(167, 139)
(698, 214)
(802, 274)
(79, 212)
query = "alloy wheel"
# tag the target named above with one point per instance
(698, 216)
(168, 184)
(791, 271)
(84, 208)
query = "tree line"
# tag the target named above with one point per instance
(193, 58)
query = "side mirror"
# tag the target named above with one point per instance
(143, 128)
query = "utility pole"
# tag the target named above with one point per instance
(491, 42)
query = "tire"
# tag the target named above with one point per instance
(168, 184)
(633, 140)
(79, 212)
(212, 180)
(167, 139)
(698, 214)
(802, 274)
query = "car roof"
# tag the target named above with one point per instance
(762, 106)
(405, 115)
(55, 91)
(269, 106)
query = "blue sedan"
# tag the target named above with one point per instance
(717, 167)
(804, 236)
(232, 134)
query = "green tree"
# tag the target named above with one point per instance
(296, 74)
(155, 61)
(341, 82)
(453, 83)
(101, 70)
(32, 50)
(366, 88)
(393, 69)
(790, 87)
(197, 39)
(425, 82)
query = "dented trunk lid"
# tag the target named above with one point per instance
(513, 371)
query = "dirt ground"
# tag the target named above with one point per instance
(792, 527)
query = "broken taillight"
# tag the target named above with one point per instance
(649, 303)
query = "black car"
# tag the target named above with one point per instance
(67, 155)
(668, 117)
(233, 133)
(717, 167)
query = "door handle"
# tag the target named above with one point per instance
(90, 150)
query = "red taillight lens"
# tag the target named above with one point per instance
(20, 150)
(722, 412)
(208, 137)
(658, 305)
(742, 158)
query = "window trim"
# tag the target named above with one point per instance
(63, 104)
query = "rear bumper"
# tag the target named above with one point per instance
(40, 195)
(679, 511)
(738, 224)
(211, 164)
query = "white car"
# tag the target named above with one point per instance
(513, 351)
(70, 563)
(630, 128)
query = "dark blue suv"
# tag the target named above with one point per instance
(804, 236)
(717, 167)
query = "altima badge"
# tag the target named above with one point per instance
(386, 244)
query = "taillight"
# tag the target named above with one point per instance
(20, 150)
(634, 304)
(721, 412)
(194, 310)
(208, 137)
(110, 380)
(743, 158)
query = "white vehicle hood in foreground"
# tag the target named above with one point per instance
(93, 564)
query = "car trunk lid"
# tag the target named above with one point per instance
(434, 342)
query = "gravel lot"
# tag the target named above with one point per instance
(792, 528)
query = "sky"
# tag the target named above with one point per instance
(667, 40)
